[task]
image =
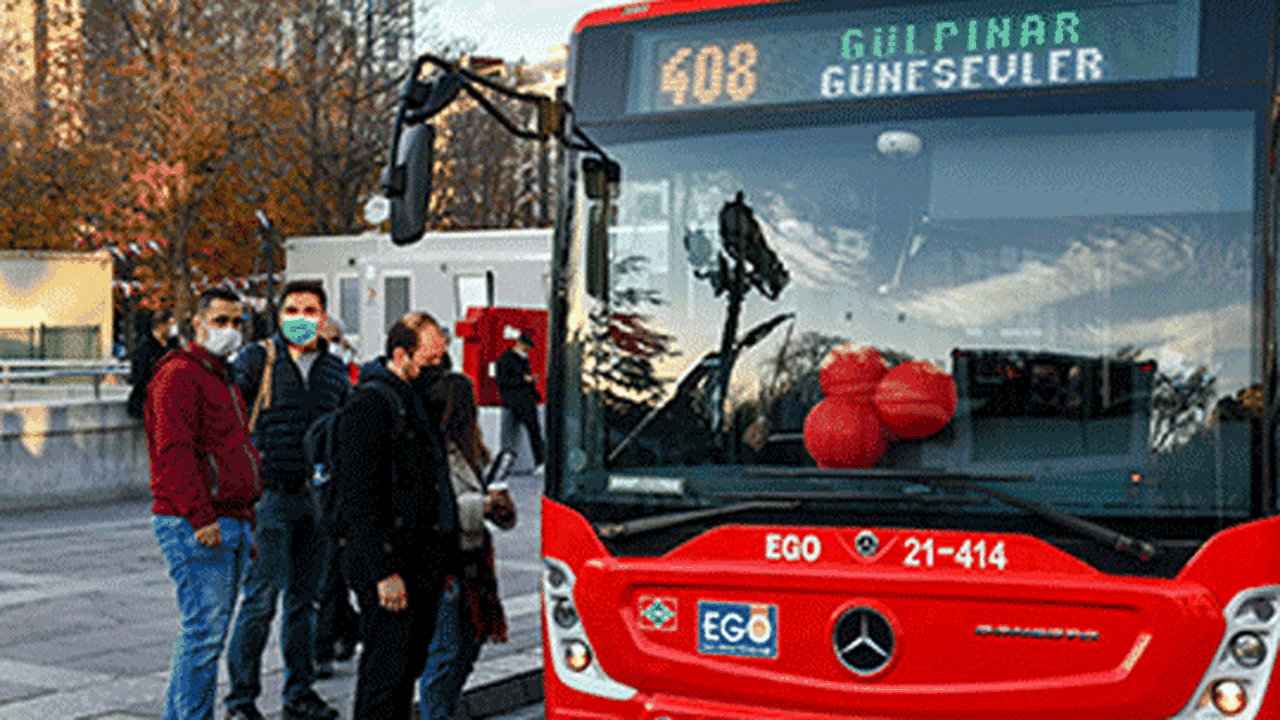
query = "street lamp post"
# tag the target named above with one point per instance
(267, 231)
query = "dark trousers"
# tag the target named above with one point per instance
(523, 414)
(395, 651)
(336, 619)
(289, 562)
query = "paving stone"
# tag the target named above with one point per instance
(99, 616)
(52, 678)
(138, 660)
(11, 691)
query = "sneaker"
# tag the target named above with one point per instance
(309, 707)
(324, 670)
(244, 712)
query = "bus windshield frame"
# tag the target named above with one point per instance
(1219, 90)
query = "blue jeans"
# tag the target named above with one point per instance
(290, 555)
(207, 581)
(453, 654)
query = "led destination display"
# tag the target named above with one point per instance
(961, 47)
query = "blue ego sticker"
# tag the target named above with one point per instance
(737, 629)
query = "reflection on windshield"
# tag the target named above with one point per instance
(1083, 281)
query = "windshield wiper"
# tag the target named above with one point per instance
(662, 522)
(1144, 550)
(878, 474)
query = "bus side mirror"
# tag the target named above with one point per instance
(597, 260)
(407, 183)
(601, 180)
(600, 176)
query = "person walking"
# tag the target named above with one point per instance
(470, 611)
(397, 513)
(204, 483)
(518, 392)
(162, 338)
(289, 380)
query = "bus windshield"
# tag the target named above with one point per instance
(1084, 282)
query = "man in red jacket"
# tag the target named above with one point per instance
(205, 481)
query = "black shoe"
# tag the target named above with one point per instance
(244, 712)
(324, 670)
(309, 707)
(344, 650)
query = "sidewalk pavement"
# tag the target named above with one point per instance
(88, 621)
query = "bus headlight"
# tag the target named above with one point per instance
(1236, 681)
(555, 577)
(1229, 697)
(564, 613)
(1248, 649)
(577, 655)
(572, 658)
(1262, 609)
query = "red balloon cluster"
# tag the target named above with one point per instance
(867, 404)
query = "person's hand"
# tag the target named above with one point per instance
(500, 509)
(392, 594)
(210, 535)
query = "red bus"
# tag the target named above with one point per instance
(916, 359)
(907, 359)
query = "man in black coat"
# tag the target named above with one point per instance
(306, 381)
(518, 391)
(162, 338)
(397, 515)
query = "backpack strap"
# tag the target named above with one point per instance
(263, 399)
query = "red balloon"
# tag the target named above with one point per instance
(915, 399)
(844, 432)
(849, 370)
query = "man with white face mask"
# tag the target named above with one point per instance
(205, 481)
(290, 380)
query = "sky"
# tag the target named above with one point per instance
(512, 29)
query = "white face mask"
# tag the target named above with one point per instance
(222, 341)
(173, 330)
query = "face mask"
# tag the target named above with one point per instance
(173, 330)
(428, 375)
(221, 342)
(298, 329)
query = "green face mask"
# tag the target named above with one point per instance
(298, 329)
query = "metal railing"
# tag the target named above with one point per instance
(25, 374)
(50, 342)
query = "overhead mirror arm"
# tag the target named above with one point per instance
(552, 112)
(406, 180)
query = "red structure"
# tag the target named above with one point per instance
(487, 332)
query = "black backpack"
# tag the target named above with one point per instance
(317, 443)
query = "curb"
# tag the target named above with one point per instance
(501, 696)
(504, 696)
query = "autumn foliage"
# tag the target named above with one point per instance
(156, 129)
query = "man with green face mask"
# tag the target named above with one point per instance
(290, 380)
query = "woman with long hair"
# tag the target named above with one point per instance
(470, 611)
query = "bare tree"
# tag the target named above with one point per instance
(326, 134)
(486, 177)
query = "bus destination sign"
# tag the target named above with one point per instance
(899, 52)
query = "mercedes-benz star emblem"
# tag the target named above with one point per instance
(863, 640)
(867, 543)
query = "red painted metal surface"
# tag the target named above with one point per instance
(1154, 637)
(487, 332)
(645, 10)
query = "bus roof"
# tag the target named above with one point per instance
(657, 8)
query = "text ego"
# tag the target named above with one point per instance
(791, 548)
